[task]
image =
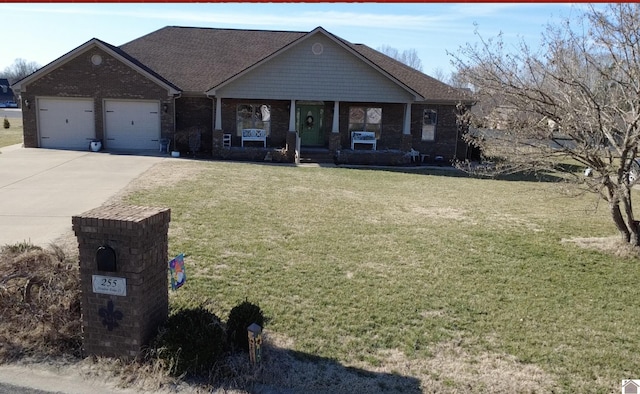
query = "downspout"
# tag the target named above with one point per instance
(175, 129)
(177, 96)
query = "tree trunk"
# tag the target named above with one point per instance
(616, 214)
(613, 197)
(632, 225)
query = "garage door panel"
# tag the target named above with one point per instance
(132, 124)
(66, 123)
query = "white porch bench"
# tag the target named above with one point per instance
(254, 135)
(363, 137)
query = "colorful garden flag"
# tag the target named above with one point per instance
(178, 275)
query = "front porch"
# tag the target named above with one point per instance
(292, 152)
(293, 131)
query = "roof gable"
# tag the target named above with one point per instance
(112, 50)
(317, 71)
(316, 67)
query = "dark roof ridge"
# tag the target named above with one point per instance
(232, 29)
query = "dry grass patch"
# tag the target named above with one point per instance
(170, 172)
(39, 302)
(610, 245)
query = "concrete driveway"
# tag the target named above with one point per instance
(41, 189)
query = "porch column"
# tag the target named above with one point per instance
(218, 125)
(406, 128)
(334, 138)
(407, 140)
(292, 116)
(335, 127)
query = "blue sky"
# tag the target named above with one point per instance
(42, 32)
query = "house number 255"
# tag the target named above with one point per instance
(109, 285)
(109, 282)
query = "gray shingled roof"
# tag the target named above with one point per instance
(198, 59)
(429, 88)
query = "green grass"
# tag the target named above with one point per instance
(350, 264)
(12, 135)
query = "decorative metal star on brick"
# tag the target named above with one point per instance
(110, 316)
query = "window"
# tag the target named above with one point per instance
(253, 116)
(429, 120)
(365, 119)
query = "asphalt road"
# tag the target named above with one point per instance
(10, 113)
(49, 379)
(11, 389)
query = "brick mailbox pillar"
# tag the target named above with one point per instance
(123, 277)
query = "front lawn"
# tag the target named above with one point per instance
(461, 283)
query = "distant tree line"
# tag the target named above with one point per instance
(18, 70)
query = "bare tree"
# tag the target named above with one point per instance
(577, 98)
(19, 69)
(408, 56)
(439, 74)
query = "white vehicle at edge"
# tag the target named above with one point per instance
(634, 172)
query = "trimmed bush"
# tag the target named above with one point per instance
(241, 317)
(191, 341)
(6, 123)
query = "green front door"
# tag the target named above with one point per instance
(310, 125)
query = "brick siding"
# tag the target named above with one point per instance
(78, 77)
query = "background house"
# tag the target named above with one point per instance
(306, 91)
(6, 93)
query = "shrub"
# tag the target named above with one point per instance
(241, 317)
(191, 341)
(6, 123)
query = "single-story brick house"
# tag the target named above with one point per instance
(206, 89)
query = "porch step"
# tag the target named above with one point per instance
(316, 156)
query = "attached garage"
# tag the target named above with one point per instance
(132, 124)
(66, 123)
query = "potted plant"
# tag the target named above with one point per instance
(95, 145)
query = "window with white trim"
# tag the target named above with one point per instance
(253, 116)
(365, 119)
(429, 120)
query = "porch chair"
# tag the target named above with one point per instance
(226, 140)
(164, 145)
(414, 155)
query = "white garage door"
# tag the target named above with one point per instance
(132, 124)
(66, 123)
